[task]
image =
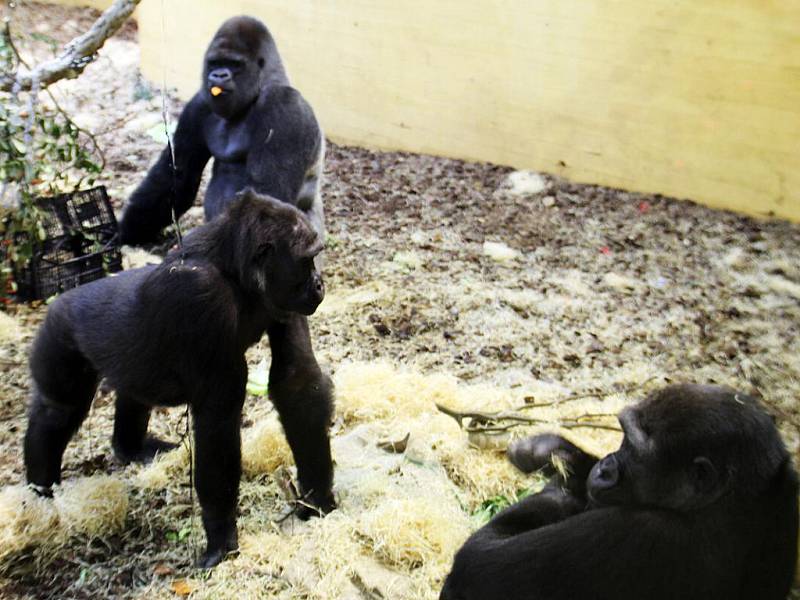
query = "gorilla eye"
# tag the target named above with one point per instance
(264, 251)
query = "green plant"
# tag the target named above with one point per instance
(178, 536)
(42, 152)
(490, 507)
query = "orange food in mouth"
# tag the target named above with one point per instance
(216, 91)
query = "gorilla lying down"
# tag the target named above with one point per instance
(175, 334)
(699, 503)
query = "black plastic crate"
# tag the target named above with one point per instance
(80, 244)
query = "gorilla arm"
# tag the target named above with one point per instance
(536, 549)
(149, 208)
(287, 163)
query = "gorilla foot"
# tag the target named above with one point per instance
(555, 457)
(537, 452)
(211, 558)
(43, 491)
(314, 507)
(223, 540)
(150, 447)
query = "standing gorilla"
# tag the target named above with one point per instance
(699, 503)
(260, 131)
(176, 333)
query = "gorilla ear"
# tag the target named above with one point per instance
(260, 62)
(705, 476)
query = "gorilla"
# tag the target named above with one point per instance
(176, 333)
(260, 131)
(698, 503)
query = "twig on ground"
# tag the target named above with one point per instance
(585, 395)
(491, 422)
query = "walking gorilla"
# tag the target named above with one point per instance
(176, 333)
(699, 503)
(260, 131)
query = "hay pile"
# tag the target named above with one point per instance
(90, 506)
(408, 481)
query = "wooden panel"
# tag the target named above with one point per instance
(686, 98)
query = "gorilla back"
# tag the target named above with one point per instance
(260, 131)
(699, 503)
(176, 333)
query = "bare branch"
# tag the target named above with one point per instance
(497, 422)
(599, 395)
(76, 55)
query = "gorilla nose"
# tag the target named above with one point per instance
(605, 474)
(218, 76)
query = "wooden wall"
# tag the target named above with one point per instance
(697, 99)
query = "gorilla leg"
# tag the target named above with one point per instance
(302, 395)
(64, 383)
(217, 424)
(482, 550)
(130, 440)
(51, 425)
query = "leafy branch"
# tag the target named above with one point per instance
(75, 56)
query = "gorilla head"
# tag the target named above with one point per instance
(240, 59)
(698, 503)
(681, 450)
(272, 253)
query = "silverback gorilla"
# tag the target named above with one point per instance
(260, 131)
(699, 503)
(176, 333)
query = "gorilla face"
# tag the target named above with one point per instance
(675, 456)
(296, 284)
(650, 469)
(276, 249)
(234, 65)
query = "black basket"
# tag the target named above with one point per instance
(80, 244)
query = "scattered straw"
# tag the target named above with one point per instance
(25, 519)
(166, 468)
(410, 533)
(9, 328)
(264, 448)
(92, 506)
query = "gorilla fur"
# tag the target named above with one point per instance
(176, 334)
(699, 503)
(260, 131)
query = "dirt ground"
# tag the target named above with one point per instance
(591, 289)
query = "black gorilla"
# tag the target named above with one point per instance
(176, 333)
(260, 131)
(699, 503)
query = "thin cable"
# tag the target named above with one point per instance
(187, 436)
(168, 133)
